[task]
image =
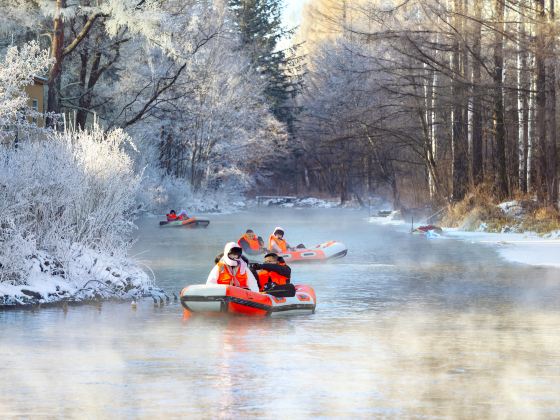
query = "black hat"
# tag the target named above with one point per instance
(236, 250)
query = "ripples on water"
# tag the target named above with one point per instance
(404, 328)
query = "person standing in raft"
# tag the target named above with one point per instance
(232, 270)
(276, 241)
(251, 243)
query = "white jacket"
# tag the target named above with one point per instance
(233, 266)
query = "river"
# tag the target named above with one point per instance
(405, 327)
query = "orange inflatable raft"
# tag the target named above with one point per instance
(192, 222)
(235, 300)
(323, 252)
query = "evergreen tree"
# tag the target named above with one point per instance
(260, 25)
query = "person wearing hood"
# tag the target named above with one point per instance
(276, 241)
(232, 270)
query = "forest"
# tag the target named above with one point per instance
(420, 101)
(200, 104)
(431, 100)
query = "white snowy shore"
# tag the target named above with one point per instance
(524, 248)
(88, 276)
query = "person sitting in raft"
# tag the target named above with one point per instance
(274, 276)
(276, 241)
(171, 216)
(271, 270)
(251, 243)
(232, 270)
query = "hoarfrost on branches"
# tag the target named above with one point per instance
(16, 71)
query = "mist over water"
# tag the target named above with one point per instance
(405, 328)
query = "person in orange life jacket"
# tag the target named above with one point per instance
(232, 270)
(276, 241)
(171, 216)
(251, 243)
(273, 270)
(218, 257)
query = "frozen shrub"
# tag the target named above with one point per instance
(70, 192)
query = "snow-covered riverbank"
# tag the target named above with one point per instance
(87, 276)
(525, 248)
(67, 206)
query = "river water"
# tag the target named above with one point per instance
(405, 327)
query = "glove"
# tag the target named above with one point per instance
(269, 286)
(255, 266)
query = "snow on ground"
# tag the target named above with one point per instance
(393, 219)
(525, 248)
(512, 209)
(87, 276)
(296, 202)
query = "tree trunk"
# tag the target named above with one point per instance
(522, 105)
(531, 132)
(540, 122)
(551, 151)
(459, 135)
(501, 185)
(477, 173)
(57, 49)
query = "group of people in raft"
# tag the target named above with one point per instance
(172, 216)
(272, 276)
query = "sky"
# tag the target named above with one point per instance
(291, 17)
(292, 12)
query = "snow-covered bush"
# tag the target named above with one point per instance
(66, 209)
(76, 187)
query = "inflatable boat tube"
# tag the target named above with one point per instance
(323, 252)
(428, 228)
(219, 298)
(192, 222)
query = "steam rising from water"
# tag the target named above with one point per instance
(405, 328)
(405, 364)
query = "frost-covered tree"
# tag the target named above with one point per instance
(16, 71)
(67, 200)
(214, 119)
(175, 74)
(87, 38)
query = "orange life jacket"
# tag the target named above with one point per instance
(253, 243)
(265, 276)
(226, 276)
(171, 216)
(280, 242)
